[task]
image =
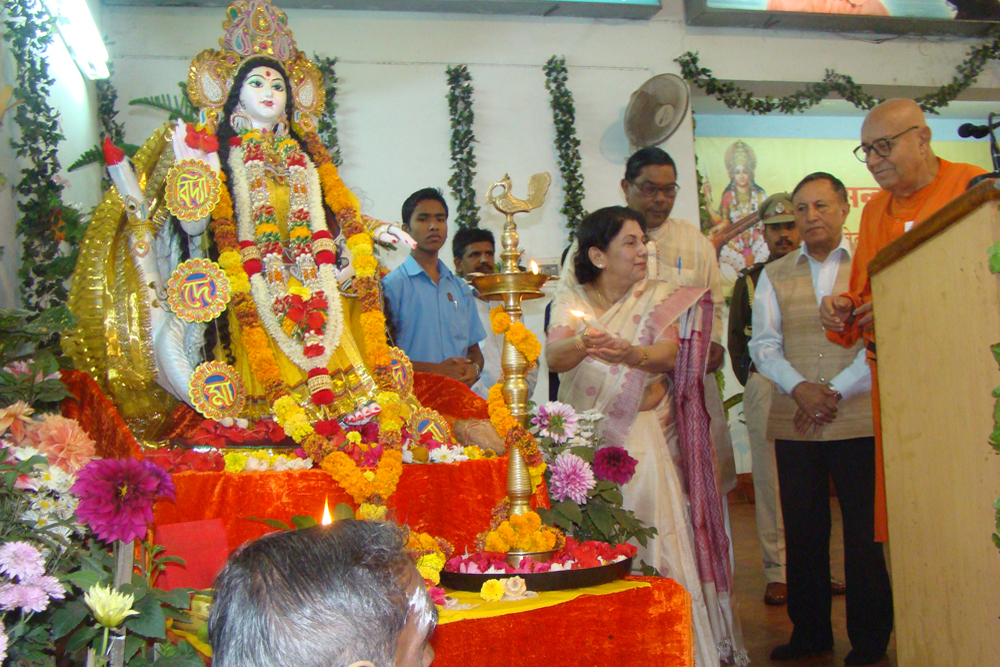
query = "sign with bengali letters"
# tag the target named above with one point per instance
(402, 372)
(216, 391)
(198, 290)
(192, 190)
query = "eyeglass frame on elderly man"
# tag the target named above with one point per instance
(866, 149)
(649, 190)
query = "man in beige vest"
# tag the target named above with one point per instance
(821, 423)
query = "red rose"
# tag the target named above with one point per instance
(315, 320)
(312, 351)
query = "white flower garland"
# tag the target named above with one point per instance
(258, 283)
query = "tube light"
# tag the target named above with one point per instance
(79, 32)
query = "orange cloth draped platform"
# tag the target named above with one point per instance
(639, 627)
(449, 500)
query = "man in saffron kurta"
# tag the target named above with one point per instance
(895, 144)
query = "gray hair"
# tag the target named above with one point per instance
(326, 596)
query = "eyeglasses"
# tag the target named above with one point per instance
(882, 147)
(649, 190)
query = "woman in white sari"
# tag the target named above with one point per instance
(635, 349)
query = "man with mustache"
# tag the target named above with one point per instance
(433, 310)
(473, 250)
(896, 146)
(821, 424)
(782, 237)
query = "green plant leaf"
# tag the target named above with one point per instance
(66, 617)
(83, 579)
(133, 644)
(301, 522)
(81, 638)
(602, 519)
(150, 622)
(273, 523)
(570, 510)
(994, 254)
(178, 598)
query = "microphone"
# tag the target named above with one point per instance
(967, 130)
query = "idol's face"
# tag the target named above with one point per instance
(742, 176)
(263, 97)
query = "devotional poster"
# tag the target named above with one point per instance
(739, 173)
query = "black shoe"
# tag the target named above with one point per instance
(863, 657)
(791, 651)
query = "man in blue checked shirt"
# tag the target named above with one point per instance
(434, 311)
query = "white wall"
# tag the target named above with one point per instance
(73, 97)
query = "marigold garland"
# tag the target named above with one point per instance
(522, 532)
(354, 481)
(515, 333)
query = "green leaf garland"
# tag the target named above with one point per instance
(50, 231)
(567, 144)
(327, 129)
(463, 155)
(735, 97)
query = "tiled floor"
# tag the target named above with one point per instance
(766, 627)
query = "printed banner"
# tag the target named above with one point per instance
(738, 174)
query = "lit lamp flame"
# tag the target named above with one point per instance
(587, 320)
(534, 267)
(327, 519)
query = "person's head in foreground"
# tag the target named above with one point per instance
(343, 595)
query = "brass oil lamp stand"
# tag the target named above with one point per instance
(511, 286)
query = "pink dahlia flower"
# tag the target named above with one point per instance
(556, 420)
(614, 464)
(64, 443)
(117, 495)
(571, 478)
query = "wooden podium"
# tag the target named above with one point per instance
(937, 311)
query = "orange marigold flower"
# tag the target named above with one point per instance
(499, 320)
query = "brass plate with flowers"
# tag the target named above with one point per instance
(216, 391)
(198, 290)
(192, 190)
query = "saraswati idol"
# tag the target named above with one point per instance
(232, 270)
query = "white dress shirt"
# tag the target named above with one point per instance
(766, 345)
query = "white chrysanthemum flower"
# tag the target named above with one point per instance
(407, 456)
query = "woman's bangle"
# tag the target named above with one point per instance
(645, 356)
(580, 344)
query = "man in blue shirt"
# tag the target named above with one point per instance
(437, 324)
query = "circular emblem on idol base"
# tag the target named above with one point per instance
(402, 372)
(198, 290)
(425, 421)
(192, 190)
(216, 391)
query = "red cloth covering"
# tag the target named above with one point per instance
(449, 397)
(98, 417)
(449, 500)
(202, 546)
(640, 627)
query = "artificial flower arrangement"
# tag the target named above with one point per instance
(62, 510)
(585, 477)
(584, 480)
